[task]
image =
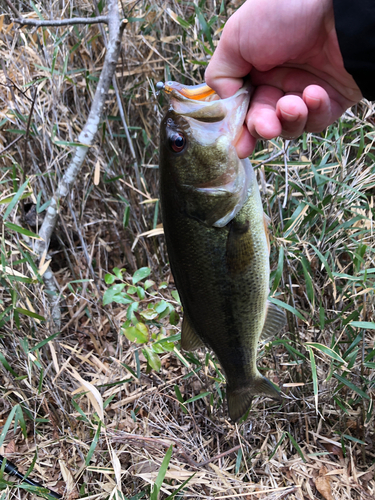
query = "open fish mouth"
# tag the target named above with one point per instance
(203, 104)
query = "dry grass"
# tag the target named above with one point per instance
(319, 443)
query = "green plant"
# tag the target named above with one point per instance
(149, 314)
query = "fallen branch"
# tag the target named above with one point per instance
(62, 22)
(85, 139)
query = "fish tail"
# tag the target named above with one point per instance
(239, 400)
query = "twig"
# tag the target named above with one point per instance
(61, 22)
(9, 86)
(12, 8)
(286, 144)
(129, 139)
(11, 144)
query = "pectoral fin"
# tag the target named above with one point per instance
(189, 338)
(239, 400)
(274, 322)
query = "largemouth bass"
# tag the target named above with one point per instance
(216, 235)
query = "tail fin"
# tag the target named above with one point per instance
(239, 400)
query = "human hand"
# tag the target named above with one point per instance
(290, 50)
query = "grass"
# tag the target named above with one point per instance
(111, 405)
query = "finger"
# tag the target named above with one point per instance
(227, 67)
(296, 80)
(318, 103)
(245, 144)
(261, 120)
(292, 112)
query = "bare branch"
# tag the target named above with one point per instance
(62, 22)
(87, 134)
(12, 8)
(11, 144)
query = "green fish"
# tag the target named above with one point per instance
(216, 235)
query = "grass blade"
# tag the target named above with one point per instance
(161, 475)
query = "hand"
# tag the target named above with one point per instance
(290, 50)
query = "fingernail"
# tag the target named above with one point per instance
(314, 103)
(288, 116)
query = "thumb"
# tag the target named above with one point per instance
(227, 67)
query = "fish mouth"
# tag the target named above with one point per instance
(202, 104)
(194, 92)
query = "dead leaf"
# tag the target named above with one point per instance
(10, 448)
(71, 490)
(323, 484)
(335, 450)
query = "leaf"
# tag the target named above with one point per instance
(323, 484)
(135, 335)
(308, 281)
(152, 358)
(204, 25)
(114, 294)
(96, 398)
(141, 274)
(351, 386)
(174, 318)
(314, 376)
(93, 444)
(7, 424)
(21, 230)
(161, 306)
(149, 314)
(180, 399)
(161, 474)
(288, 307)
(44, 342)
(14, 201)
(6, 365)
(148, 284)
(31, 314)
(277, 445)
(109, 279)
(176, 296)
(117, 272)
(363, 324)
(326, 350)
(199, 396)
(297, 447)
(279, 270)
(323, 260)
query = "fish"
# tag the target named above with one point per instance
(216, 236)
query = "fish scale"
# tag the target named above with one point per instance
(216, 238)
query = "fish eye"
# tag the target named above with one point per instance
(177, 142)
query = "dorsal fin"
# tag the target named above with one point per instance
(274, 322)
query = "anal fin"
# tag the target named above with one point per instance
(274, 322)
(189, 338)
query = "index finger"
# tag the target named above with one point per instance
(227, 67)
